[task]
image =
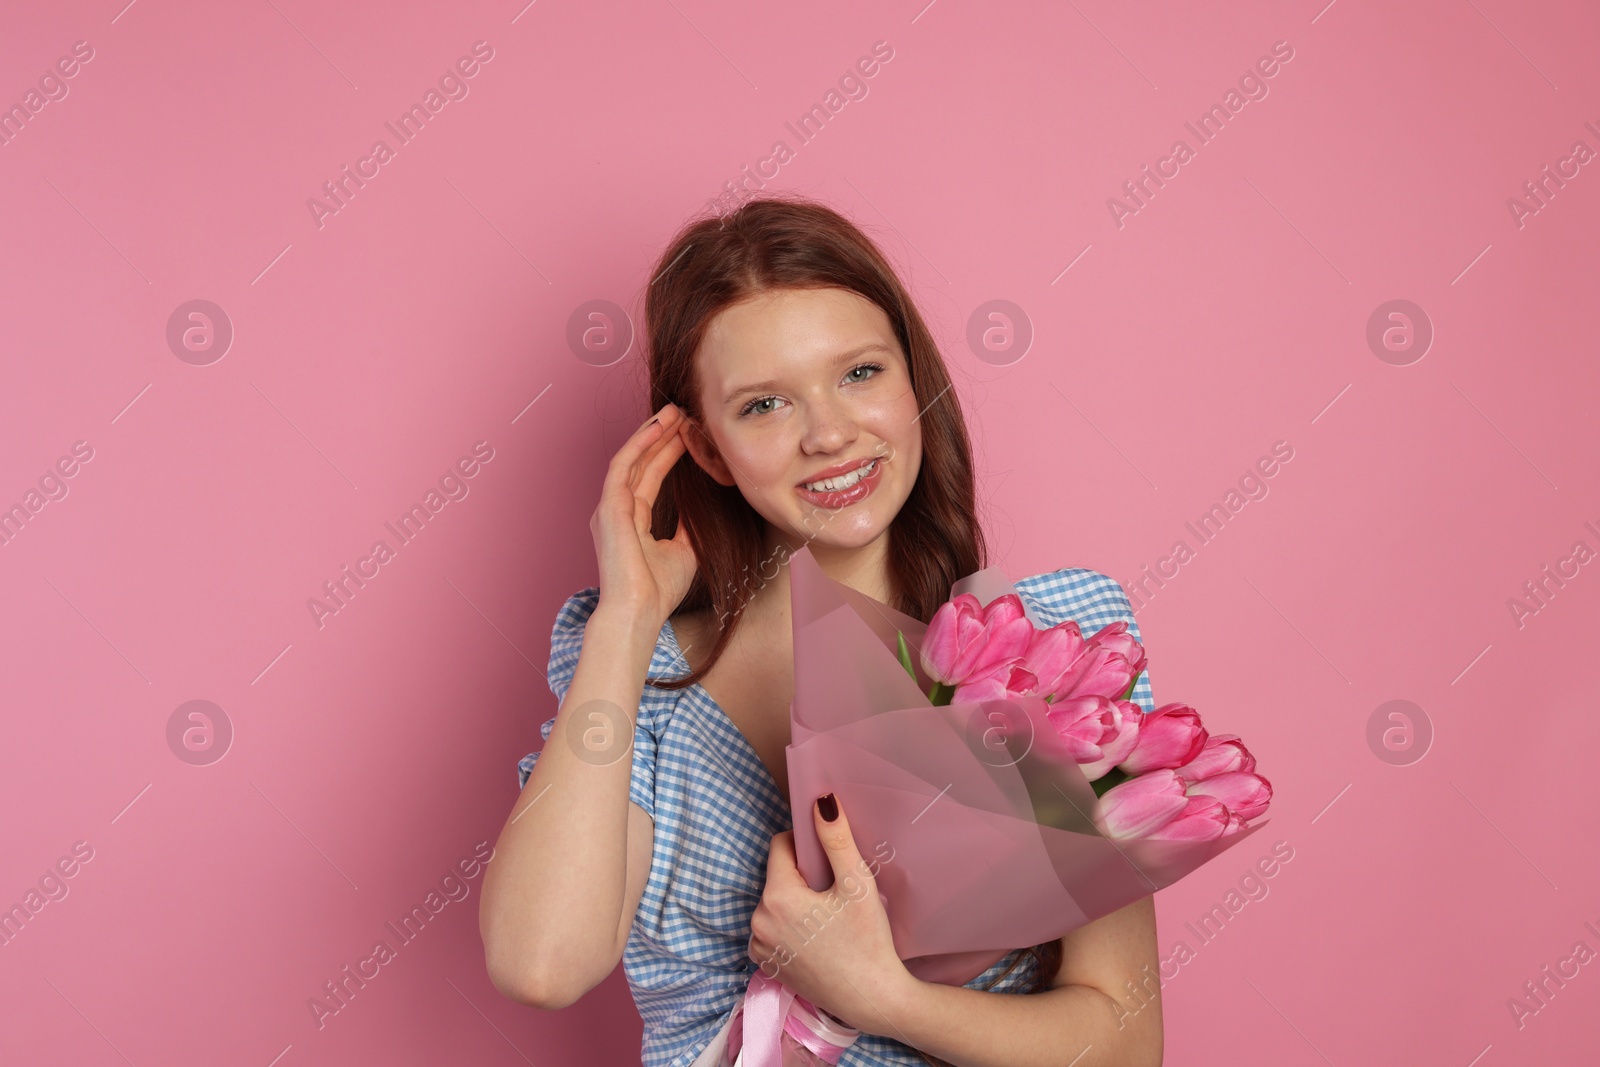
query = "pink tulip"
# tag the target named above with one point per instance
(1215, 805)
(1169, 736)
(1203, 818)
(968, 643)
(1116, 638)
(1222, 753)
(996, 684)
(1141, 805)
(1245, 793)
(1099, 732)
(1105, 665)
(1051, 656)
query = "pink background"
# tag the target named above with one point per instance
(373, 752)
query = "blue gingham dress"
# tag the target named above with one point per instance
(716, 809)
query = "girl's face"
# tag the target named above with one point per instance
(799, 385)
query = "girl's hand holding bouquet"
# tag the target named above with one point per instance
(1085, 805)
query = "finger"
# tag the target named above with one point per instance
(616, 491)
(762, 955)
(627, 457)
(660, 458)
(781, 861)
(839, 844)
(660, 430)
(644, 481)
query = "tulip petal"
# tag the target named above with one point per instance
(1170, 736)
(1121, 723)
(1244, 792)
(1052, 653)
(1220, 754)
(1141, 805)
(966, 641)
(1204, 818)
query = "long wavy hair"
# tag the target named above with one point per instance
(780, 242)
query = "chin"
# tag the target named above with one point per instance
(865, 538)
(845, 529)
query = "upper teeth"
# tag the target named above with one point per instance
(844, 481)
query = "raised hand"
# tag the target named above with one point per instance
(646, 575)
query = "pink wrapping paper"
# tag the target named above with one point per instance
(989, 818)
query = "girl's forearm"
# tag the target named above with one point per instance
(1070, 1024)
(551, 904)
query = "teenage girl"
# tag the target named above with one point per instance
(789, 364)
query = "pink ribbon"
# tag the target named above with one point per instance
(771, 1009)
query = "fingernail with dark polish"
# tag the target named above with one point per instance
(828, 806)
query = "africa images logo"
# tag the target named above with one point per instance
(338, 992)
(1252, 87)
(453, 85)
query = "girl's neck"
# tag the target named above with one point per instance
(864, 569)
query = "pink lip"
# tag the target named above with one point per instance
(843, 498)
(838, 469)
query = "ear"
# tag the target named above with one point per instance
(705, 452)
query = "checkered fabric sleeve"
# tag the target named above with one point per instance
(1094, 601)
(566, 642)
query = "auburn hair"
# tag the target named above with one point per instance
(785, 241)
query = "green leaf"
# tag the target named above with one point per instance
(1127, 694)
(905, 655)
(940, 694)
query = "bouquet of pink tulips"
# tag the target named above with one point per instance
(1023, 794)
(1159, 775)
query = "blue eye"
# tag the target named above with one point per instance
(750, 408)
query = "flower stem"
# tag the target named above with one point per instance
(1115, 776)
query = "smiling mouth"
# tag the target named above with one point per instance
(845, 489)
(840, 483)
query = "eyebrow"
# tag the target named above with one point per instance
(842, 357)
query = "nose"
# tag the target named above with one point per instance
(830, 427)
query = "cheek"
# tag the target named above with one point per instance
(758, 464)
(903, 429)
